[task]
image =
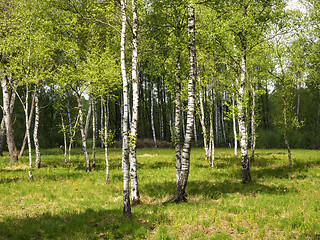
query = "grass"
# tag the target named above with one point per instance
(68, 203)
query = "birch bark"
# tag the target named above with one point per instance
(135, 197)
(185, 163)
(83, 135)
(234, 127)
(253, 123)
(36, 127)
(177, 121)
(125, 139)
(94, 115)
(245, 170)
(8, 123)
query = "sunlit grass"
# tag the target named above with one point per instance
(65, 202)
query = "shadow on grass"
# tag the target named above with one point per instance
(91, 224)
(209, 190)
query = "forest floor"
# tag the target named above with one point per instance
(65, 202)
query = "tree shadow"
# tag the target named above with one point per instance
(91, 224)
(209, 190)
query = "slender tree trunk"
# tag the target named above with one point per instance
(298, 103)
(36, 127)
(106, 139)
(216, 118)
(185, 163)
(177, 121)
(23, 146)
(64, 138)
(222, 121)
(203, 124)
(8, 123)
(73, 133)
(83, 135)
(211, 140)
(94, 125)
(183, 123)
(195, 131)
(101, 120)
(253, 123)
(234, 127)
(69, 114)
(135, 197)
(245, 170)
(285, 134)
(125, 138)
(152, 118)
(86, 129)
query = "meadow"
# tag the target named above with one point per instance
(65, 202)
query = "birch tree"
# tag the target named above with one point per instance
(185, 161)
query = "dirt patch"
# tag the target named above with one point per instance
(146, 143)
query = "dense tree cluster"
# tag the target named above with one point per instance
(204, 73)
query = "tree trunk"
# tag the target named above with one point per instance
(86, 129)
(23, 146)
(135, 197)
(69, 115)
(73, 133)
(203, 124)
(234, 127)
(285, 134)
(36, 127)
(253, 123)
(185, 163)
(222, 121)
(125, 140)
(211, 136)
(83, 135)
(8, 123)
(3, 126)
(177, 121)
(64, 138)
(101, 120)
(106, 139)
(245, 170)
(152, 118)
(94, 115)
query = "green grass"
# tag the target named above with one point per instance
(65, 202)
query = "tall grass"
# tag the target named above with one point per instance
(65, 202)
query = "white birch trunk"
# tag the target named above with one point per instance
(135, 197)
(3, 125)
(69, 114)
(185, 162)
(211, 137)
(83, 135)
(73, 133)
(245, 170)
(125, 140)
(203, 125)
(8, 123)
(253, 123)
(152, 118)
(222, 121)
(177, 121)
(106, 139)
(234, 127)
(94, 134)
(101, 119)
(36, 127)
(64, 139)
(29, 124)
(86, 129)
